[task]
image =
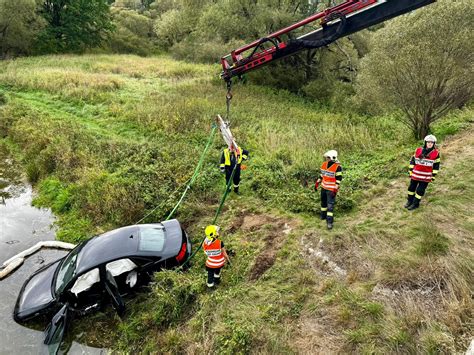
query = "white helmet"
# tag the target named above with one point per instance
(331, 154)
(430, 138)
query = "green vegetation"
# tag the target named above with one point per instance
(109, 138)
(425, 70)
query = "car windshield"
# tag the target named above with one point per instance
(67, 270)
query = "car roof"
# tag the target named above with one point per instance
(118, 243)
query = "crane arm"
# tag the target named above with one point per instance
(336, 22)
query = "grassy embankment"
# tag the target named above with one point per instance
(108, 138)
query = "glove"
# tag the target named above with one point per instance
(433, 178)
(222, 170)
(316, 185)
(410, 173)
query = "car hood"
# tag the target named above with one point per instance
(36, 294)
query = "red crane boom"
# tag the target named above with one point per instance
(336, 22)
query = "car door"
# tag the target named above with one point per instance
(56, 329)
(112, 291)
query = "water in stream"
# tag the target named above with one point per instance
(22, 226)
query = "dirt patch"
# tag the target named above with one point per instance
(255, 222)
(312, 248)
(275, 230)
(236, 224)
(343, 257)
(422, 302)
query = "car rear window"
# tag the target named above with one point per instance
(151, 238)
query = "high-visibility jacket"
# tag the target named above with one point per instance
(215, 256)
(328, 176)
(228, 160)
(424, 168)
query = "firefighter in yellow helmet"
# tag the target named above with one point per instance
(216, 255)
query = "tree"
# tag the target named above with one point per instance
(74, 25)
(19, 26)
(133, 32)
(422, 63)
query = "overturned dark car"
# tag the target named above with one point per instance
(100, 270)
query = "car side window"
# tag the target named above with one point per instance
(152, 238)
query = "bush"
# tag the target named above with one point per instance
(341, 97)
(320, 90)
(267, 177)
(53, 193)
(3, 98)
(109, 198)
(133, 33)
(194, 49)
(172, 27)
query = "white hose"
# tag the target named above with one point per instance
(15, 261)
(10, 267)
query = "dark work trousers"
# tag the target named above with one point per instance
(416, 191)
(328, 200)
(213, 276)
(228, 174)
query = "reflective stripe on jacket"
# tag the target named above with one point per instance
(215, 257)
(227, 157)
(329, 176)
(423, 167)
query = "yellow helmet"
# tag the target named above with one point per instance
(212, 231)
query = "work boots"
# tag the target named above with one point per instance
(409, 201)
(323, 215)
(330, 221)
(415, 205)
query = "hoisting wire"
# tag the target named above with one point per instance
(226, 192)
(196, 171)
(228, 97)
(191, 180)
(218, 212)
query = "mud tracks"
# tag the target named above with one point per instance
(274, 231)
